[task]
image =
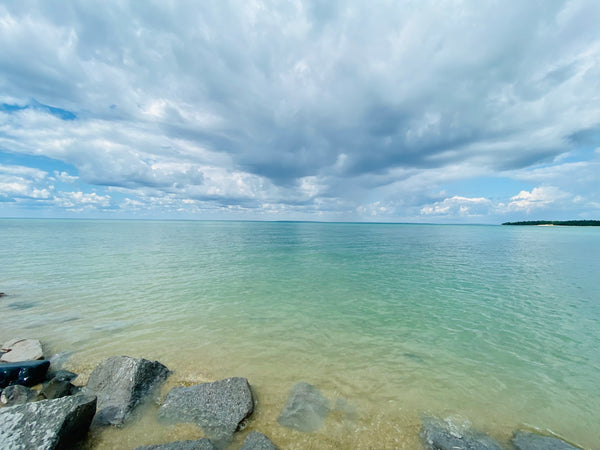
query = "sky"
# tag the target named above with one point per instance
(387, 111)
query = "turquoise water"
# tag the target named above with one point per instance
(498, 326)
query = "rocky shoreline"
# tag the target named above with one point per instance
(41, 408)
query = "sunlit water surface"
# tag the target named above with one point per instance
(498, 326)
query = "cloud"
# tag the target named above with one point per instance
(539, 198)
(310, 107)
(459, 207)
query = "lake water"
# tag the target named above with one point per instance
(495, 326)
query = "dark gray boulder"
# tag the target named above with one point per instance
(16, 395)
(257, 441)
(121, 383)
(438, 434)
(200, 444)
(56, 388)
(524, 440)
(305, 410)
(27, 373)
(218, 408)
(49, 424)
(61, 375)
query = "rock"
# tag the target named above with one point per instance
(58, 360)
(2, 294)
(305, 410)
(200, 444)
(438, 434)
(16, 395)
(55, 388)
(257, 441)
(122, 383)
(524, 440)
(49, 424)
(22, 350)
(27, 373)
(218, 408)
(61, 375)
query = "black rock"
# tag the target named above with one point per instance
(2, 294)
(56, 388)
(524, 440)
(438, 434)
(121, 384)
(305, 410)
(16, 395)
(27, 373)
(218, 408)
(45, 425)
(258, 441)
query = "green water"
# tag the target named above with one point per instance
(498, 326)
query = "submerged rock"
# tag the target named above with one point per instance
(524, 440)
(22, 350)
(257, 441)
(200, 444)
(56, 388)
(16, 395)
(27, 373)
(218, 408)
(438, 434)
(61, 374)
(49, 424)
(121, 383)
(305, 410)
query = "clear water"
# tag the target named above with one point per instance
(498, 326)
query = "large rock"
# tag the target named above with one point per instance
(21, 350)
(16, 395)
(200, 444)
(305, 410)
(122, 383)
(49, 424)
(257, 441)
(438, 434)
(218, 408)
(27, 373)
(524, 440)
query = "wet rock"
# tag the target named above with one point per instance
(305, 410)
(22, 350)
(200, 444)
(438, 434)
(49, 424)
(16, 395)
(61, 375)
(27, 373)
(218, 408)
(121, 383)
(56, 388)
(2, 294)
(257, 441)
(524, 440)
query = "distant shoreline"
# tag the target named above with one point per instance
(564, 223)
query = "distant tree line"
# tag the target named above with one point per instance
(568, 223)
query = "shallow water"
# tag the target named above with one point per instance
(495, 325)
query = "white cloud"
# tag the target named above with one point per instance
(79, 200)
(459, 207)
(539, 198)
